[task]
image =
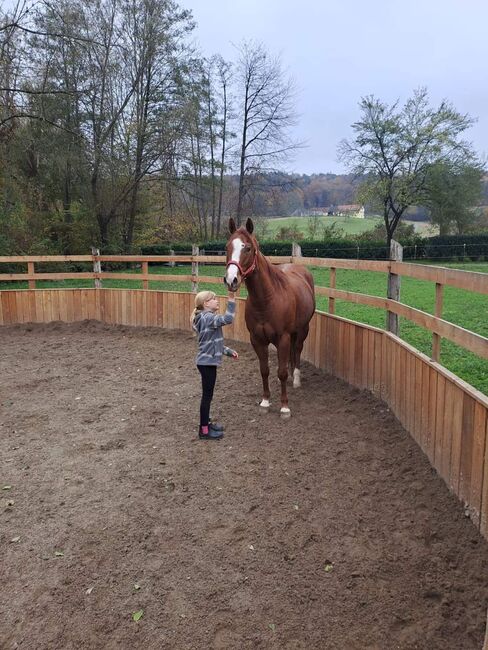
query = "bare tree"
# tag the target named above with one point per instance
(265, 113)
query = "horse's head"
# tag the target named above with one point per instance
(242, 249)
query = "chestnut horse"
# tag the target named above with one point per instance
(280, 304)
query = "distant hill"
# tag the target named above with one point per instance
(279, 194)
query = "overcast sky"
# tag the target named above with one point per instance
(341, 50)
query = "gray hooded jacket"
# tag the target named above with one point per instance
(208, 327)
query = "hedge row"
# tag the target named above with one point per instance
(469, 247)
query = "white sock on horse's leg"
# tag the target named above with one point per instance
(265, 404)
(296, 378)
(285, 412)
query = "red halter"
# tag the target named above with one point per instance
(244, 274)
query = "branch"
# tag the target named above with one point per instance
(37, 117)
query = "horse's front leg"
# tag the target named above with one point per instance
(283, 359)
(261, 350)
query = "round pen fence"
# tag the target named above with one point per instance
(446, 416)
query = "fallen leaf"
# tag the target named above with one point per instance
(7, 487)
(58, 554)
(328, 567)
(89, 590)
(136, 616)
(272, 627)
(137, 587)
(15, 539)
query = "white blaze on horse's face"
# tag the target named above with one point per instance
(232, 270)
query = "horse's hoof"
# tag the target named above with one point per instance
(285, 413)
(264, 406)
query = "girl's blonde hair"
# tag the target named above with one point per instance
(200, 300)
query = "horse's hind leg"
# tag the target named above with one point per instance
(283, 358)
(298, 351)
(262, 354)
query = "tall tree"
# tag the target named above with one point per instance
(452, 196)
(397, 146)
(265, 114)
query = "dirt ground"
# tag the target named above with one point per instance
(328, 531)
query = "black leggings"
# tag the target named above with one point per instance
(209, 377)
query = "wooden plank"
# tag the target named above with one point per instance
(21, 259)
(466, 448)
(447, 432)
(358, 358)
(351, 355)
(431, 424)
(456, 438)
(364, 360)
(424, 406)
(333, 345)
(469, 280)
(417, 405)
(77, 305)
(402, 398)
(484, 498)
(48, 306)
(371, 361)
(385, 360)
(377, 337)
(439, 422)
(479, 462)
(410, 393)
(324, 333)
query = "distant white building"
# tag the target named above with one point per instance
(353, 210)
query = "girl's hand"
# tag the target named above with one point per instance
(234, 354)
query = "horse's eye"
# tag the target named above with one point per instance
(247, 248)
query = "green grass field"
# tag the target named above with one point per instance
(467, 309)
(268, 228)
(350, 225)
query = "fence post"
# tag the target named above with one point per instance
(31, 271)
(194, 269)
(332, 285)
(393, 291)
(296, 250)
(97, 267)
(436, 339)
(171, 252)
(145, 271)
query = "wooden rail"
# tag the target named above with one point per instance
(466, 280)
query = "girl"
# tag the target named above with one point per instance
(208, 326)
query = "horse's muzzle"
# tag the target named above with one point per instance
(233, 286)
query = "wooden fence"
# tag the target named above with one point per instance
(447, 417)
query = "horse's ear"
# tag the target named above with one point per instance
(249, 226)
(232, 226)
